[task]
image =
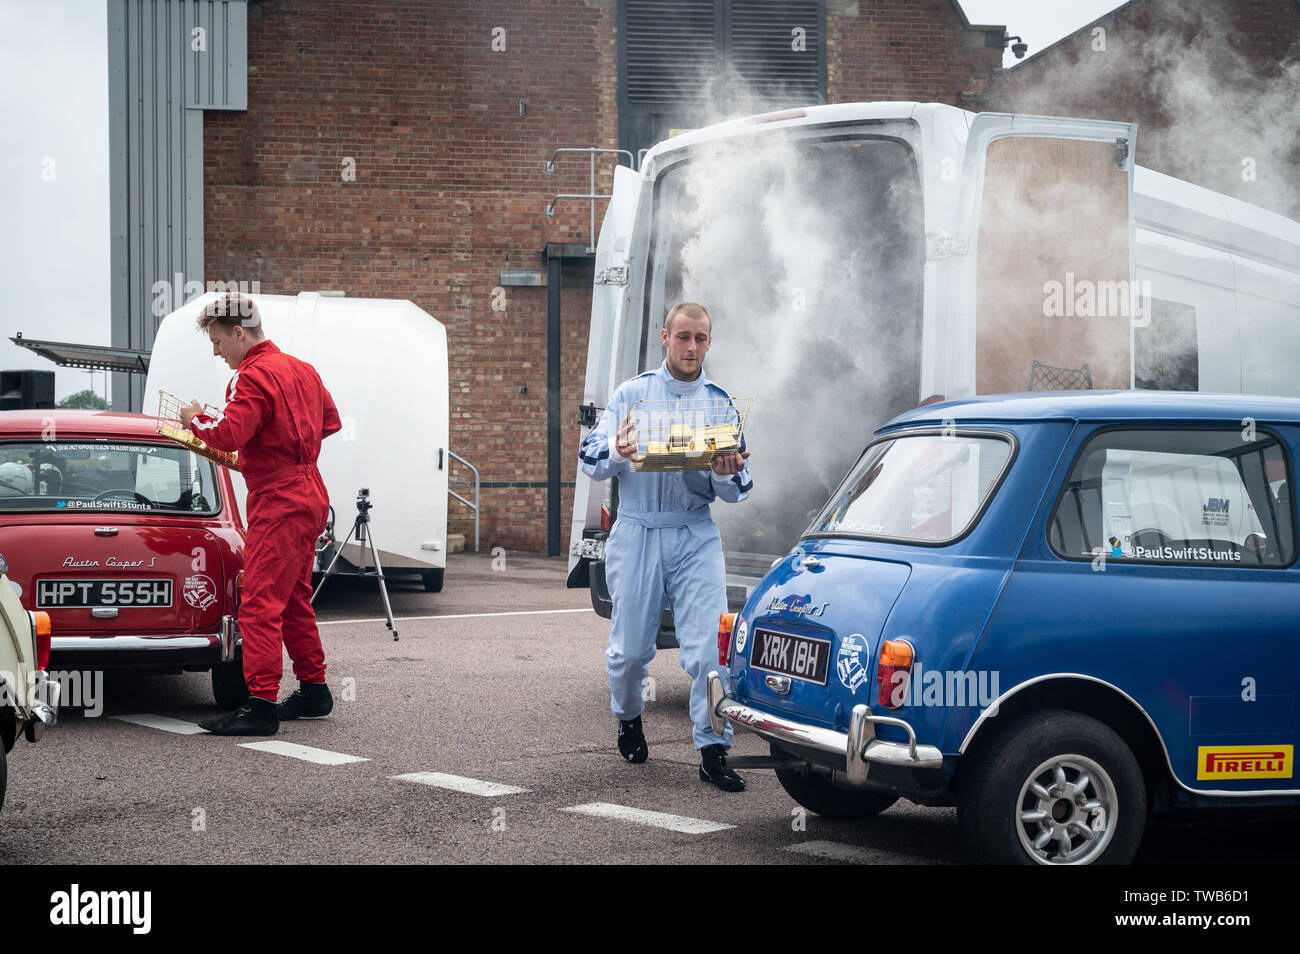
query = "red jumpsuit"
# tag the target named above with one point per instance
(277, 412)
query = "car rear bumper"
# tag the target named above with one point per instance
(144, 650)
(858, 749)
(43, 706)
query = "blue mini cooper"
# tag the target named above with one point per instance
(1055, 611)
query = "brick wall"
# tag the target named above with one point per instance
(1214, 87)
(904, 50)
(450, 188)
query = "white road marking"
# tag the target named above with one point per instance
(403, 619)
(640, 816)
(835, 851)
(304, 752)
(459, 783)
(179, 726)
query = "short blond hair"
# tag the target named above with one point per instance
(230, 311)
(692, 310)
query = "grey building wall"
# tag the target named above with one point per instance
(168, 62)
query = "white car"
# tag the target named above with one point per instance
(28, 697)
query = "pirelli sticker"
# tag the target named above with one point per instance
(1244, 761)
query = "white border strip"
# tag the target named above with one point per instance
(403, 619)
(640, 816)
(304, 752)
(459, 783)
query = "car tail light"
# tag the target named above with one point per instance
(605, 522)
(893, 672)
(725, 622)
(42, 628)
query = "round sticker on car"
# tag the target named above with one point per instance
(199, 591)
(742, 636)
(849, 664)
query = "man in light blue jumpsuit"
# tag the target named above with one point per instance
(665, 545)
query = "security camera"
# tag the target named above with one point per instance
(1019, 48)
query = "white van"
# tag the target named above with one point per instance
(385, 364)
(861, 258)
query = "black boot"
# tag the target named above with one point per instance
(631, 741)
(713, 768)
(254, 717)
(311, 700)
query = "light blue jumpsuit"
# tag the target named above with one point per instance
(664, 545)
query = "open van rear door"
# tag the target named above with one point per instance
(607, 313)
(1047, 291)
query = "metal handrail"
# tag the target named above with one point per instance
(591, 194)
(472, 506)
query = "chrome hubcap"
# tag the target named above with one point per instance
(1066, 812)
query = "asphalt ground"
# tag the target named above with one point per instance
(504, 685)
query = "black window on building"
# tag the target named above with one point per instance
(687, 63)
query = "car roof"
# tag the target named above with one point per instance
(1104, 405)
(72, 423)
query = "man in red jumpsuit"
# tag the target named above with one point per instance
(277, 412)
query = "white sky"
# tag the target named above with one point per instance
(54, 234)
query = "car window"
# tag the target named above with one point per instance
(928, 488)
(99, 476)
(1177, 496)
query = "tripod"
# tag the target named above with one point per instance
(363, 539)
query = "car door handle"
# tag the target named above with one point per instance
(104, 612)
(106, 531)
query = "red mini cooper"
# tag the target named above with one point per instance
(131, 543)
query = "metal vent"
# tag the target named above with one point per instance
(671, 50)
(765, 52)
(776, 50)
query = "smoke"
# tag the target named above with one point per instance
(809, 255)
(1217, 104)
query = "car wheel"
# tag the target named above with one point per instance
(432, 580)
(815, 792)
(1054, 788)
(228, 685)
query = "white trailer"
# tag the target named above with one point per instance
(860, 258)
(385, 364)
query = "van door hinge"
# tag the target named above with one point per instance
(612, 275)
(588, 414)
(1121, 152)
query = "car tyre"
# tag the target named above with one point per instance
(432, 580)
(1035, 787)
(228, 685)
(815, 792)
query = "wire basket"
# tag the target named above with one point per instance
(171, 426)
(686, 435)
